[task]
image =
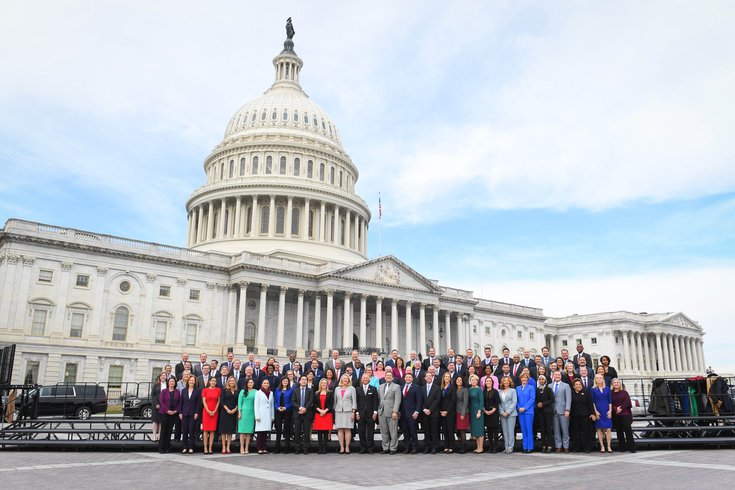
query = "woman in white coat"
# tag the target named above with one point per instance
(345, 406)
(264, 412)
(508, 413)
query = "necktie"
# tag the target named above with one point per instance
(556, 385)
(405, 391)
(584, 380)
(302, 397)
(428, 389)
(364, 388)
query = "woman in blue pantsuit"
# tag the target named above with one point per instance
(526, 401)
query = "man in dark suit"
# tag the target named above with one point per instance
(203, 379)
(459, 367)
(314, 357)
(582, 353)
(488, 357)
(392, 359)
(229, 363)
(196, 368)
(429, 361)
(451, 357)
(411, 405)
(506, 359)
(469, 357)
(431, 396)
(546, 357)
(302, 401)
(244, 377)
(528, 362)
(515, 370)
(418, 373)
(222, 378)
(357, 371)
(289, 365)
(367, 413)
(374, 360)
(586, 377)
(179, 368)
(438, 368)
(318, 371)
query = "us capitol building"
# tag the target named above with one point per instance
(276, 260)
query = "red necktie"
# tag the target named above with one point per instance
(405, 391)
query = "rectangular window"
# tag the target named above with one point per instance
(520, 334)
(191, 334)
(474, 328)
(578, 341)
(564, 343)
(32, 369)
(593, 340)
(156, 372)
(45, 276)
(115, 377)
(487, 330)
(38, 324)
(530, 336)
(161, 331)
(76, 324)
(70, 372)
(194, 294)
(82, 281)
(164, 291)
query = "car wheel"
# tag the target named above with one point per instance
(83, 413)
(146, 413)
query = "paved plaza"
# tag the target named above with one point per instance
(646, 469)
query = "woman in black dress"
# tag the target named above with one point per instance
(544, 414)
(447, 412)
(582, 416)
(228, 414)
(492, 416)
(158, 384)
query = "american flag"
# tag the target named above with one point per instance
(380, 209)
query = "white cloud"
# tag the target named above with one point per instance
(703, 294)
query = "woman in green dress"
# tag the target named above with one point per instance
(477, 421)
(246, 416)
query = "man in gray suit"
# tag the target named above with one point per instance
(562, 404)
(389, 395)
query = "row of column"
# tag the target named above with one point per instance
(661, 351)
(232, 222)
(348, 322)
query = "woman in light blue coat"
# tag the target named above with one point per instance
(264, 411)
(508, 414)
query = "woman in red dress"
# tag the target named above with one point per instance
(210, 413)
(323, 416)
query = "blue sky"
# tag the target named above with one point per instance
(572, 156)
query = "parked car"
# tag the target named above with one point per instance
(67, 400)
(137, 407)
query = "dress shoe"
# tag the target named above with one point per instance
(385, 451)
(413, 451)
(393, 452)
(370, 451)
(566, 449)
(407, 450)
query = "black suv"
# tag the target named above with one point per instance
(71, 400)
(137, 407)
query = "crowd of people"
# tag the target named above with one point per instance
(459, 403)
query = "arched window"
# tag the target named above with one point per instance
(321, 172)
(249, 332)
(248, 219)
(264, 115)
(269, 165)
(309, 169)
(274, 115)
(295, 217)
(232, 168)
(242, 166)
(341, 237)
(227, 223)
(316, 124)
(285, 115)
(312, 213)
(295, 116)
(280, 219)
(40, 314)
(215, 220)
(306, 118)
(331, 175)
(324, 127)
(282, 166)
(297, 167)
(264, 217)
(340, 178)
(255, 165)
(331, 228)
(222, 171)
(255, 116)
(78, 313)
(120, 324)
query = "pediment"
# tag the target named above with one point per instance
(681, 320)
(387, 271)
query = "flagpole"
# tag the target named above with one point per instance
(380, 224)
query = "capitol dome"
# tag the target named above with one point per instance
(280, 183)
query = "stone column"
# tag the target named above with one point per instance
(322, 221)
(306, 221)
(627, 364)
(300, 324)
(681, 355)
(347, 321)
(659, 354)
(461, 333)
(254, 219)
(394, 323)
(689, 353)
(289, 211)
(647, 366)
(435, 322)
(337, 231)
(210, 221)
(448, 322)
(262, 348)
(317, 321)
(639, 350)
(329, 337)
(281, 324)
(422, 329)
(379, 323)
(241, 309)
(702, 359)
(221, 226)
(409, 328)
(237, 229)
(272, 217)
(670, 350)
(363, 320)
(348, 225)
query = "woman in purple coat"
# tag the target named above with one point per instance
(191, 407)
(170, 405)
